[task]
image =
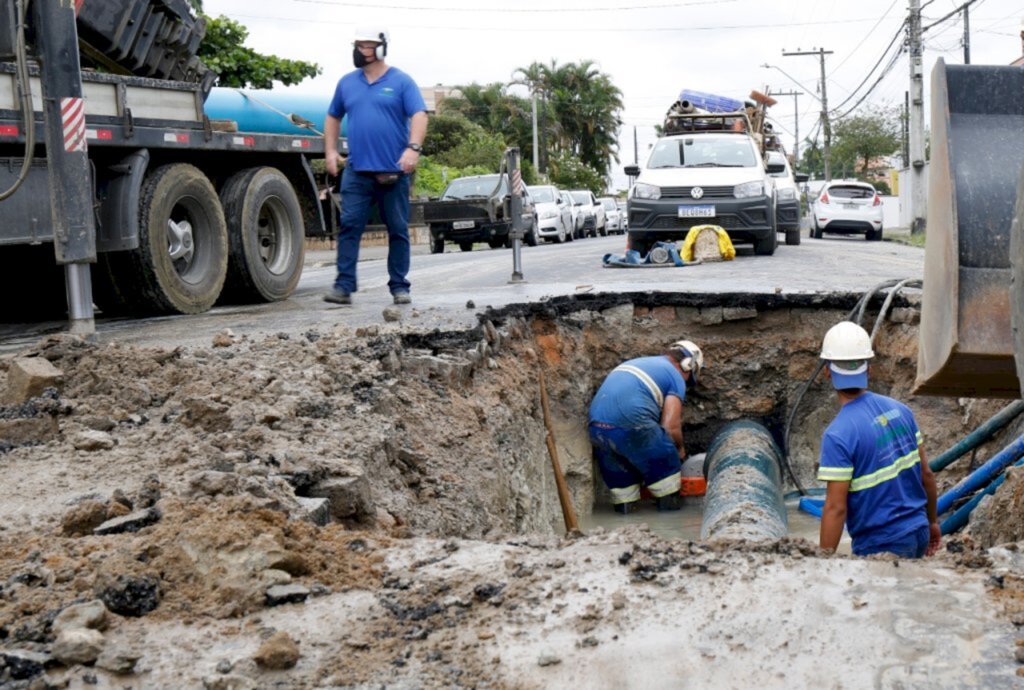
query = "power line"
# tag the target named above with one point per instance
(867, 76)
(955, 12)
(866, 37)
(885, 72)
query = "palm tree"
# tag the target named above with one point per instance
(588, 106)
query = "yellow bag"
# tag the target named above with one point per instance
(725, 247)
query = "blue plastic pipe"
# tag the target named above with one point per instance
(711, 102)
(744, 494)
(963, 513)
(982, 476)
(812, 506)
(978, 436)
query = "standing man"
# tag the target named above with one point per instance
(387, 122)
(636, 425)
(879, 482)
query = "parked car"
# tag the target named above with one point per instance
(623, 215)
(848, 207)
(554, 215)
(787, 204)
(612, 215)
(475, 209)
(575, 214)
(592, 212)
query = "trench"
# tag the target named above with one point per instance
(760, 350)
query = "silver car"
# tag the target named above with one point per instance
(553, 213)
(612, 215)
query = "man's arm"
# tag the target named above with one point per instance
(930, 490)
(833, 515)
(672, 422)
(417, 133)
(332, 128)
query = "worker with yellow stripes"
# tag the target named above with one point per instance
(878, 481)
(636, 425)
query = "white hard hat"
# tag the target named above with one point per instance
(693, 361)
(371, 33)
(846, 342)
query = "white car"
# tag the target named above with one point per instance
(612, 215)
(554, 215)
(848, 207)
(787, 205)
(591, 212)
(575, 215)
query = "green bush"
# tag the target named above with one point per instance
(432, 177)
(569, 172)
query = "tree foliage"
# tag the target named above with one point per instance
(569, 172)
(237, 66)
(862, 141)
(456, 141)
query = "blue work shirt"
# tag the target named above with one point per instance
(873, 444)
(378, 117)
(628, 399)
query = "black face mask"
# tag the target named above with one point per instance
(358, 59)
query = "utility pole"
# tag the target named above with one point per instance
(967, 36)
(826, 125)
(536, 149)
(796, 120)
(916, 121)
(636, 151)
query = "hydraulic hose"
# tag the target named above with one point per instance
(23, 79)
(963, 513)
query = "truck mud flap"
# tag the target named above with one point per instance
(118, 228)
(966, 342)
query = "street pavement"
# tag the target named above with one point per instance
(444, 285)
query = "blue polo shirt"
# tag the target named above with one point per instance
(629, 396)
(378, 117)
(873, 444)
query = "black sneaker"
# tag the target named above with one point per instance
(402, 298)
(625, 508)
(337, 296)
(670, 502)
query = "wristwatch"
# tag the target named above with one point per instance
(415, 147)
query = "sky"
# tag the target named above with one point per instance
(651, 49)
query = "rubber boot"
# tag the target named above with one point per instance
(625, 508)
(670, 502)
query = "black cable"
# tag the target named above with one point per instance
(867, 76)
(23, 80)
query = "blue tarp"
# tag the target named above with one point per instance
(633, 258)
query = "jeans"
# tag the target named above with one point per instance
(912, 545)
(629, 458)
(359, 192)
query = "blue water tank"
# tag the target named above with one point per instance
(269, 112)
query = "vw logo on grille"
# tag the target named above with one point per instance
(697, 192)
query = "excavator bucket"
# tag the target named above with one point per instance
(977, 152)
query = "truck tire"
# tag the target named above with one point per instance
(793, 237)
(498, 243)
(149, 280)
(466, 246)
(766, 246)
(436, 245)
(265, 236)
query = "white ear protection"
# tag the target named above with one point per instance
(382, 50)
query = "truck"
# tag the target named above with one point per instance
(477, 208)
(709, 168)
(108, 158)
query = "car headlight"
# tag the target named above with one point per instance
(787, 194)
(748, 189)
(642, 190)
(549, 214)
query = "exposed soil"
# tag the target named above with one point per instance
(440, 562)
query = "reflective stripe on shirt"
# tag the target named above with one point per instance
(886, 473)
(646, 380)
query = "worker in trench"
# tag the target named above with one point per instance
(636, 425)
(878, 480)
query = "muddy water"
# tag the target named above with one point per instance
(685, 524)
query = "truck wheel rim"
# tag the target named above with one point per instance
(273, 236)
(180, 244)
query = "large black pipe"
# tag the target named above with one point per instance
(744, 494)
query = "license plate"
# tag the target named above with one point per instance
(851, 207)
(463, 224)
(696, 211)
